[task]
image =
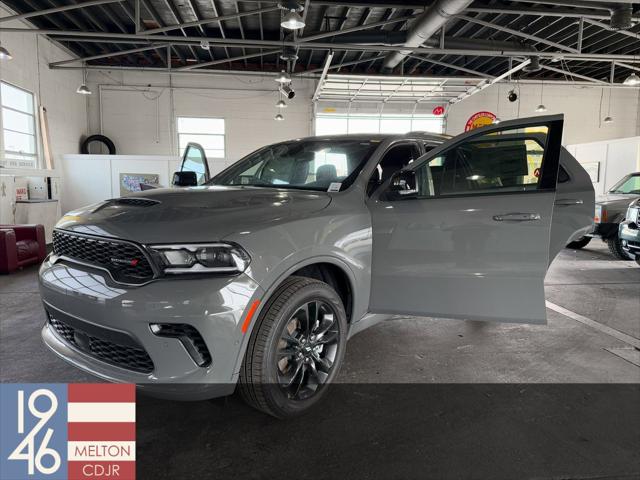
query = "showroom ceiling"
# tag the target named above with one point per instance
(572, 39)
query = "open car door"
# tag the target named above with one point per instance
(463, 232)
(194, 160)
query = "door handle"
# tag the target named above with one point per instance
(517, 217)
(568, 201)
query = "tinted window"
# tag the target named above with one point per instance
(508, 161)
(309, 164)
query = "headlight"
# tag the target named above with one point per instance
(601, 214)
(201, 258)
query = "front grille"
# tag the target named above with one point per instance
(126, 262)
(123, 356)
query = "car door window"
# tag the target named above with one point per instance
(395, 159)
(509, 161)
(194, 160)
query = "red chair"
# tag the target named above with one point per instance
(21, 245)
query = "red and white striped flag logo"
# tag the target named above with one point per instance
(102, 431)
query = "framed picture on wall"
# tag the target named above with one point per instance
(130, 182)
(593, 169)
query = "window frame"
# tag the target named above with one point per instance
(224, 135)
(548, 181)
(36, 131)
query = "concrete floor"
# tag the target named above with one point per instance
(485, 400)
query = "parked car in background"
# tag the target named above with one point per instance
(629, 231)
(611, 209)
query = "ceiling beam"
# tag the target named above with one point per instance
(518, 33)
(250, 43)
(49, 11)
(604, 26)
(226, 60)
(487, 83)
(109, 54)
(197, 23)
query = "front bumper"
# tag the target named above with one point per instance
(90, 301)
(630, 237)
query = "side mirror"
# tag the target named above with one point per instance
(185, 179)
(403, 185)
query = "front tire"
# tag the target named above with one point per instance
(296, 348)
(615, 247)
(580, 243)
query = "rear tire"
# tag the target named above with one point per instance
(615, 247)
(580, 243)
(290, 361)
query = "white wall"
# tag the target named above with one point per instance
(617, 158)
(580, 105)
(54, 89)
(137, 110)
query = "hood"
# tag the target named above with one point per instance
(612, 199)
(197, 214)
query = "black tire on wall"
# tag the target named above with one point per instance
(615, 247)
(84, 147)
(261, 377)
(580, 243)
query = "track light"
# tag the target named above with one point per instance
(607, 119)
(283, 77)
(632, 80)
(204, 44)
(4, 53)
(83, 90)
(278, 117)
(287, 91)
(281, 104)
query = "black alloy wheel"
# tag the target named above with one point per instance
(307, 349)
(295, 349)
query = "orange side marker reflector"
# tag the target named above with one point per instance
(247, 320)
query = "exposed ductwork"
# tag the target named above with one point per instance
(424, 27)
(387, 37)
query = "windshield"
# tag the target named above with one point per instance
(314, 164)
(628, 185)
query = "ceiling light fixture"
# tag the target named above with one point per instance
(541, 108)
(278, 117)
(292, 20)
(283, 77)
(632, 80)
(83, 89)
(607, 119)
(4, 53)
(281, 104)
(204, 44)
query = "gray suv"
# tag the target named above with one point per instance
(258, 276)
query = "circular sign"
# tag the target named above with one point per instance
(479, 119)
(439, 110)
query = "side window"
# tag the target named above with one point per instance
(195, 161)
(396, 158)
(509, 160)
